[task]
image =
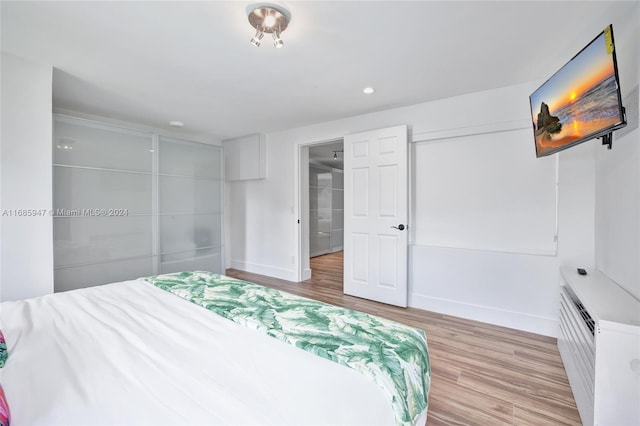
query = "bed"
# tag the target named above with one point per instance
(202, 348)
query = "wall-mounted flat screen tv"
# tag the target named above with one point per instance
(581, 101)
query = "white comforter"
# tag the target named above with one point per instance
(132, 354)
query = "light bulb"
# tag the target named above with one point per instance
(269, 21)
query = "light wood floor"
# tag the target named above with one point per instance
(481, 374)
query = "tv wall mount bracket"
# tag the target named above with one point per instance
(607, 139)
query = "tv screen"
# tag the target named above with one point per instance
(581, 101)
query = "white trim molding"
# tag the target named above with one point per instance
(515, 320)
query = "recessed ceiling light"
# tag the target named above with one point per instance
(176, 123)
(368, 90)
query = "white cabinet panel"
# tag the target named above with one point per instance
(190, 206)
(89, 144)
(187, 231)
(79, 188)
(71, 278)
(184, 158)
(189, 195)
(245, 158)
(599, 341)
(192, 260)
(82, 240)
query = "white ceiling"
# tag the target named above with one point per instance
(152, 62)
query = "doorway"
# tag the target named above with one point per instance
(376, 251)
(321, 204)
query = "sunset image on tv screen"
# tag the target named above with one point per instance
(579, 100)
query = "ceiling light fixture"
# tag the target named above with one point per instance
(368, 90)
(256, 38)
(335, 153)
(271, 20)
(277, 41)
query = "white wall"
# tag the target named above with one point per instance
(514, 285)
(26, 183)
(262, 218)
(512, 289)
(617, 196)
(515, 288)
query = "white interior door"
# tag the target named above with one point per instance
(375, 215)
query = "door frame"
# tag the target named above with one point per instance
(301, 191)
(302, 267)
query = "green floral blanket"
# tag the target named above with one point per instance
(392, 354)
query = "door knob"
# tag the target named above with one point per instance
(399, 227)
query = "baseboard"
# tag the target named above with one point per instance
(255, 268)
(516, 320)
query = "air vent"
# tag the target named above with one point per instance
(584, 314)
(586, 317)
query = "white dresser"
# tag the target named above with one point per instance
(599, 341)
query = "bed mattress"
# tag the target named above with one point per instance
(131, 353)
